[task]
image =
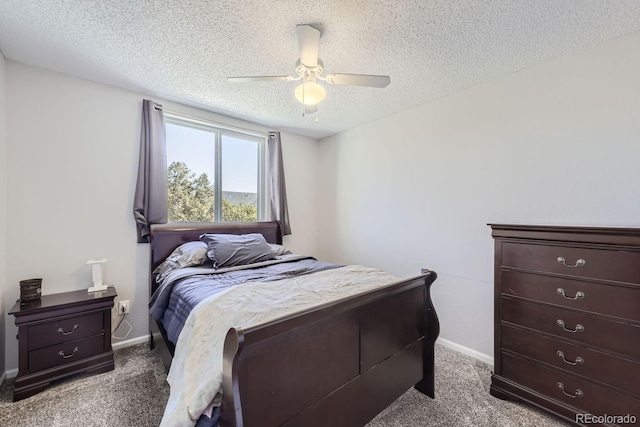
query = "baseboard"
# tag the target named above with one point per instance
(130, 342)
(3, 377)
(466, 350)
(11, 373)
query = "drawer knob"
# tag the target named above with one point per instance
(579, 327)
(579, 263)
(578, 393)
(63, 332)
(66, 356)
(579, 294)
(579, 360)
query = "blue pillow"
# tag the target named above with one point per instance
(229, 250)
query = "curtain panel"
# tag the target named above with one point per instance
(277, 187)
(150, 204)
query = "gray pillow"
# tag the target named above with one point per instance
(190, 254)
(228, 250)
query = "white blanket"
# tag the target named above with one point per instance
(196, 371)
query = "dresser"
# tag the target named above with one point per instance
(567, 321)
(60, 335)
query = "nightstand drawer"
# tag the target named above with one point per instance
(68, 329)
(578, 360)
(589, 397)
(615, 336)
(617, 301)
(61, 354)
(613, 265)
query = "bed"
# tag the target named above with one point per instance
(360, 352)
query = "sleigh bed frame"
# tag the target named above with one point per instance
(337, 364)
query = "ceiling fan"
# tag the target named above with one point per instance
(309, 69)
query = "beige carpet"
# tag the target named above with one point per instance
(134, 394)
(462, 399)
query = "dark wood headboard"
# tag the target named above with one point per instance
(166, 237)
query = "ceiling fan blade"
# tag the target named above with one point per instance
(260, 79)
(310, 109)
(358, 80)
(309, 42)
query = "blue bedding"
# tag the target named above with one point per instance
(183, 289)
(213, 421)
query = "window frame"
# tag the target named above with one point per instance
(221, 130)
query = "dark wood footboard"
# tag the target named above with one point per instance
(339, 364)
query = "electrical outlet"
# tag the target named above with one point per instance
(123, 307)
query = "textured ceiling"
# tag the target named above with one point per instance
(183, 50)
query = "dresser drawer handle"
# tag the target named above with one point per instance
(579, 263)
(578, 393)
(579, 360)
(579, 294)
(579, 327)
(66, 356)
(62, 331)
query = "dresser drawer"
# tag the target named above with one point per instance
(615, 336)
(68, 329)
(621, 266)
(617, 301)
(588, 397)
(575, 359)
(63, 353)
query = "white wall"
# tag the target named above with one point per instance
(3, 207)
(555, 144)
(72, 160)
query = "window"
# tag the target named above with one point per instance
(215, 173)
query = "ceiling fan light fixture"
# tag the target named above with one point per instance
(310, 93)
(309, 68)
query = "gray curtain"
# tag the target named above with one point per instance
(278, 190)
(150, 204)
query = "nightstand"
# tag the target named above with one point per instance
(61, 335)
